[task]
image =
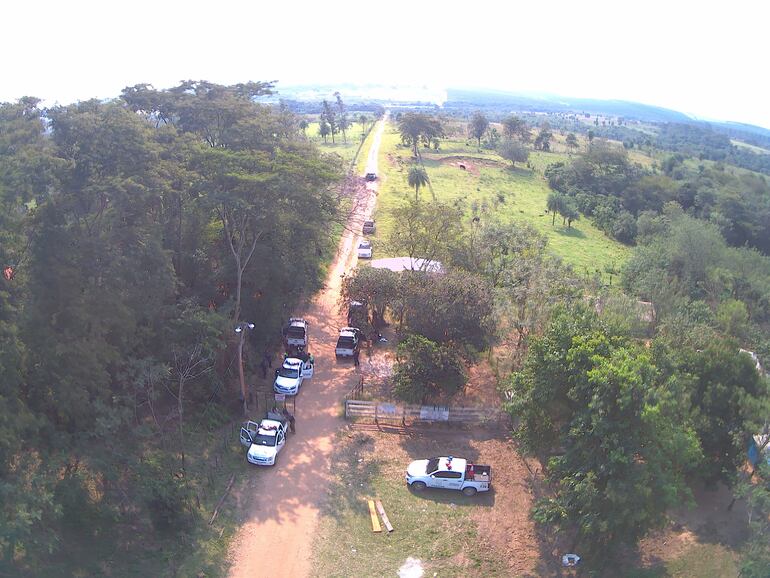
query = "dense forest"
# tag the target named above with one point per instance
(134, 234)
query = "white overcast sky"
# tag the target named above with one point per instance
(705, 57)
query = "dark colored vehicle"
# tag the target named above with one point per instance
(371, 177)
(368, 227)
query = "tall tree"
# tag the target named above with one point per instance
(543, 139)
(515, 127)
(342, 116)
(425, 231)
(478, 126)
(330, 116)
(417, 177)
(418, 128)
(571, 142)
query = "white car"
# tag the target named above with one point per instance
(289, 378)
(265, 439)
(365, 250)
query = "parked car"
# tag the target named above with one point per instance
(368, 227)
(295, 333)
(264, 439)
(289, 378)
(449, 473)
(349, 341)
(371, 176)
(365, 250)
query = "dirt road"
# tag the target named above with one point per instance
(277, 533)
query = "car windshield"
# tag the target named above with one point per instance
(432, 466)
(288, 372)
(263, 440)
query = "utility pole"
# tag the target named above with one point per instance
(241, 330)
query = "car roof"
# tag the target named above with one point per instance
(292, 362)
(269, 427)
(297, 321)
(365, 244)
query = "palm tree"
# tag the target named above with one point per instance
(417, 178)
(555, 204)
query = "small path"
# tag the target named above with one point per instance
(276, 537)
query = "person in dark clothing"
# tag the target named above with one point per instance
(263, 367)
(356, 354)
(269, 359)
(290, 417)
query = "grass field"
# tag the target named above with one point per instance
(490, 188)
(434, 527)
(346, 150)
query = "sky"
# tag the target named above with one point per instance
(708, 59)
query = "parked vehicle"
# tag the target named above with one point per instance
(264, 439)
(449, 473)
(368, 227)
(371, 176)
(289, 378)
(365, 250)
(349, 342)
(295, 333)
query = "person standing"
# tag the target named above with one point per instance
(356, 354)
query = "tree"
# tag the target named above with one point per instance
(303, 124)
(418, 128)
(478, 126)
(425, 231)
(513, 151)
(543, 139)
(571, 142)
(555, 203)
(417, 177)
(330, 117)
(363, 120)
(323, 129)
(342, 116)
(627, 445)
(514, 127)
(426, 371)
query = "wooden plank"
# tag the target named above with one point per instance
(385, 520)
(375, 520)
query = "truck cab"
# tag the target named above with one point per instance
(449, 473)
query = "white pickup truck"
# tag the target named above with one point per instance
(348, 342)
(449, 473)
(295, 333)
(264, 439)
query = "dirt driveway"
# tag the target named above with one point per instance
(282, 512)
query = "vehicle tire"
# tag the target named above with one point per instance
(469, 491)
(419, 486)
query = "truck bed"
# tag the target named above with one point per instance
(478, 473)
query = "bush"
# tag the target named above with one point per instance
(427, 371)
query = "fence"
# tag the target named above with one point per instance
(389, 413)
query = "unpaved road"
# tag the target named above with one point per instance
(276, 537)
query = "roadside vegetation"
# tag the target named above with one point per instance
(133, 238)
(630, 396)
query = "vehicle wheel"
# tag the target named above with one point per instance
(469, 491)
(419, 486)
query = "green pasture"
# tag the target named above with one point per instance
(490, 188)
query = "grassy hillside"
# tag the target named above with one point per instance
(489, 187)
